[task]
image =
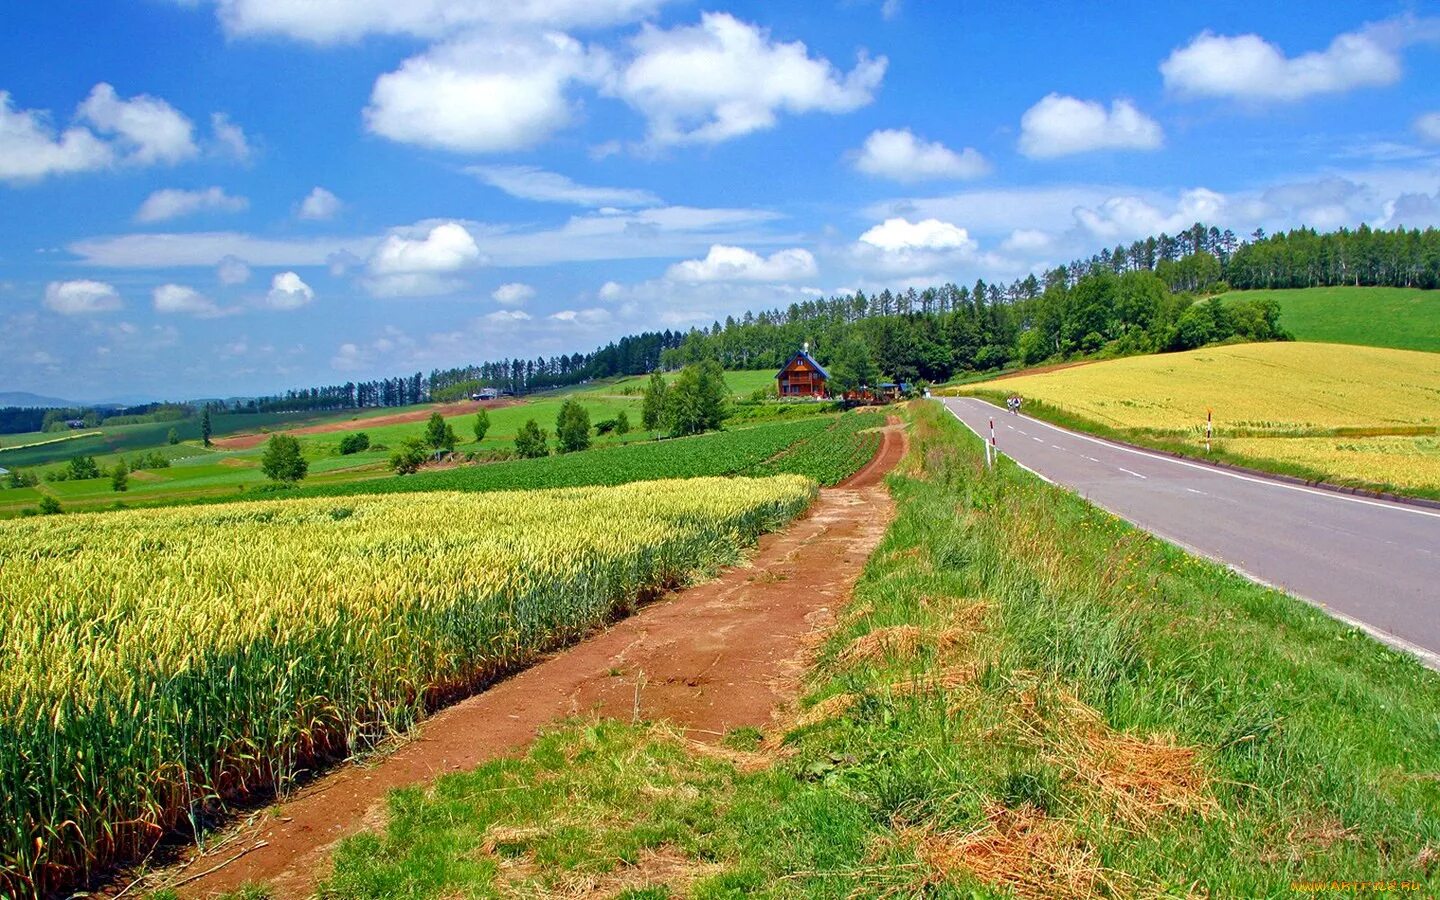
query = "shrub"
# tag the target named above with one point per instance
(482, 425)
(49, 506)
(531, 441)
(354, 443)
(409, 457)
(83, 467)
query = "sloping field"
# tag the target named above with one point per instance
(159, 661)
(1403, 318)
(1297, 407)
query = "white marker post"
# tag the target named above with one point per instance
(991, 451)
(1208, 426)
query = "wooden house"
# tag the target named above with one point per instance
(802, 376)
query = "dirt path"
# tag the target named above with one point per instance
(460, 408)
(721, 655)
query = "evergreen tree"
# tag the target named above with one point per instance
(482, 425)
(120, 476)
(205, 427)
(439, 434)
(622, 423)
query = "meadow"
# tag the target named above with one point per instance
(1350, 414)
(161, 663)
(1026, 697)
(1402, 318)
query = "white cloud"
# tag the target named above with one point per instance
(501, 316)
(232, 270)
(593, 316)
(611, 290)
(899, 247)
(1248, 67)
(513, 294)
(482, 95)
(320, 204)
(1428, 127)
(423, 266)
(1028, 240)
(149, 129)
(1129, 217)
(288, 292)
(899, 155)
(30, 148)
(172, 203)
(76, 298)
(230, 138)
(725, 78)
(930, 234)
(177, 298)
(531, 183)
(725, 263)
(1060, 125)
(333, 21)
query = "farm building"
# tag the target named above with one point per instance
(802, 376)
(488, 393)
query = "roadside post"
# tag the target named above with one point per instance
(1208, 425)
(990, 449)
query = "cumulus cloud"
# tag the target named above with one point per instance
(724, 78)
(423, 266)
(900, 247)
(320, 204)
(513, 294)
(232, 270)
(333, 21)
(173, 203)
(229, 138)
(1428, 127)
(1059, 126)
(724, 263)
(502, 316)
(1126, 217)
(1248, 67)
(482, 95)
(150, 130)
(899, 155)
(288, 291)
(30, 147)
(82, 297)
(177, 298)
(593, 316)
(532, 183)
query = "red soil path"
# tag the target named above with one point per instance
(246, 441)
(717, 656)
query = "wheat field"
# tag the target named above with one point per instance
(158, 662)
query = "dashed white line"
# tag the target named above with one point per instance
(1091, 458)
(1038, 440)
(1128, 472)
(1057, 446)
(1193, 491)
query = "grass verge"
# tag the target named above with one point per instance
(1026, 697)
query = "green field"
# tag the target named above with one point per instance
(1403, 318)
(201, 474)
(1026, 698)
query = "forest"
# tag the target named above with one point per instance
(1141, 297)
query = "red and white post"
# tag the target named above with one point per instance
(1209, 425)
(990, 449)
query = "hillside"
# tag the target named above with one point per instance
(1365, 416)
(1403, 318)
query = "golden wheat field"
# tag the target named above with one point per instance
(1365, 416)
(151, 660)
(1278, 388)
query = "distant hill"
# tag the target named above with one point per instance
(1401, 318)
(27, 399)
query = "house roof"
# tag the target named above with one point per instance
(801, 354)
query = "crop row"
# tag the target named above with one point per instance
(157, 663)
(832, 455)
(722, 453)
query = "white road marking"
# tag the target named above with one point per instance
(1193, 491)
(1348, 498)
(1040, 440)
(1057, 446)
(1091, 458)
(1128, 472)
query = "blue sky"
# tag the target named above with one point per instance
(218, 197)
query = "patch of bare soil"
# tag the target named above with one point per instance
(246, 441)
(711, 658)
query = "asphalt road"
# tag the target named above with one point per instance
(1373, 564)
